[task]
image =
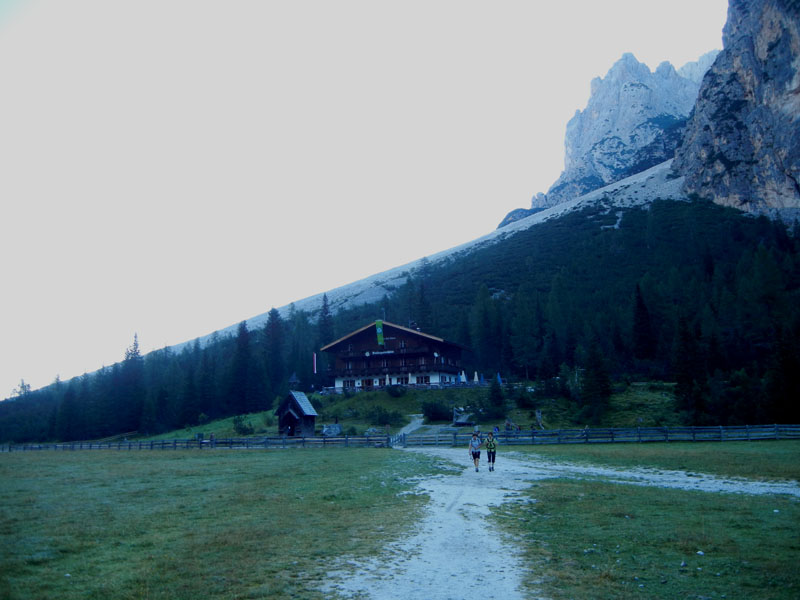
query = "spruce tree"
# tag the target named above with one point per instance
(644, 343)
(595, 385)
(274, 342)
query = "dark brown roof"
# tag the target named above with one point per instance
(387, 324)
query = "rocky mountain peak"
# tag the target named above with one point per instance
(633, 121)
(742, 145)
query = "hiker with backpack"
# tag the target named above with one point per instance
(475, 449)
(491, 450)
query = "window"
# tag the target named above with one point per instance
(401, 380)
(423, 379)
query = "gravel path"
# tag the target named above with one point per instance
(454, 552)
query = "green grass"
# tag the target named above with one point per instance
(589, 539)
(263, 423)
(177, 524)
(592, 539)
(763, 460)
(645, 404)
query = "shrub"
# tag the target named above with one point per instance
(378, 415)
(396, 391)
(437, 410)
(241, 427)
(525, 400)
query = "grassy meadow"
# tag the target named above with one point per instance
(605, 541)
(599, 540)
(270, 524)
(188, 524)
(763, 460)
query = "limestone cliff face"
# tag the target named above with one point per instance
(741, 146)
(630, 110)
(633, 120)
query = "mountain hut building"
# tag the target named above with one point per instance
(382, 354)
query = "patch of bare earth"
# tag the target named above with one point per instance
(455, 552)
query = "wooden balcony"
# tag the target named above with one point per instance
(378, 371)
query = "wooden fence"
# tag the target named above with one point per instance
(450, 439)
(610, 435)
(265, 443)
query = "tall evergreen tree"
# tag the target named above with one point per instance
(241, 384)
(131, 392)
(325, 323)
(325, 335)
(644, 341)
(274, 342)
(595, 384)
(527, 330)
(301, 347)
(688, 373)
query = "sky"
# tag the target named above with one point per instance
(172, 167)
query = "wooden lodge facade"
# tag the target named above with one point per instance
(381, 354)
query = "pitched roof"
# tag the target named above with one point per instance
(387, 324)
(304, 403)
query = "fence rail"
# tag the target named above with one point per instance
(612, 435)
(350, 441)
(450, 439)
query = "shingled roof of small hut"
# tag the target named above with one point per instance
(304, 403)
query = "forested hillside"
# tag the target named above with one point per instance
(689, 292)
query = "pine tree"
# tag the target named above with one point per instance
(301, 347)
(132, 388)
(688, 373)
(325, 323)
(527, 330)
(274, 342)
(495, 407)
(595, 384)
(644, 342)
(240, 374)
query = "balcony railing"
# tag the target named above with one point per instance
(427, 350)
(369, 371)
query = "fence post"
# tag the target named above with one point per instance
(777, 432)
(721, 434)
(747, 428)
(666, 434)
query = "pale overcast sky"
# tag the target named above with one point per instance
(172, 167)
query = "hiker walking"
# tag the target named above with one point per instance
(475, 449)
(491, 450)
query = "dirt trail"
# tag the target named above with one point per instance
(454, 552)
